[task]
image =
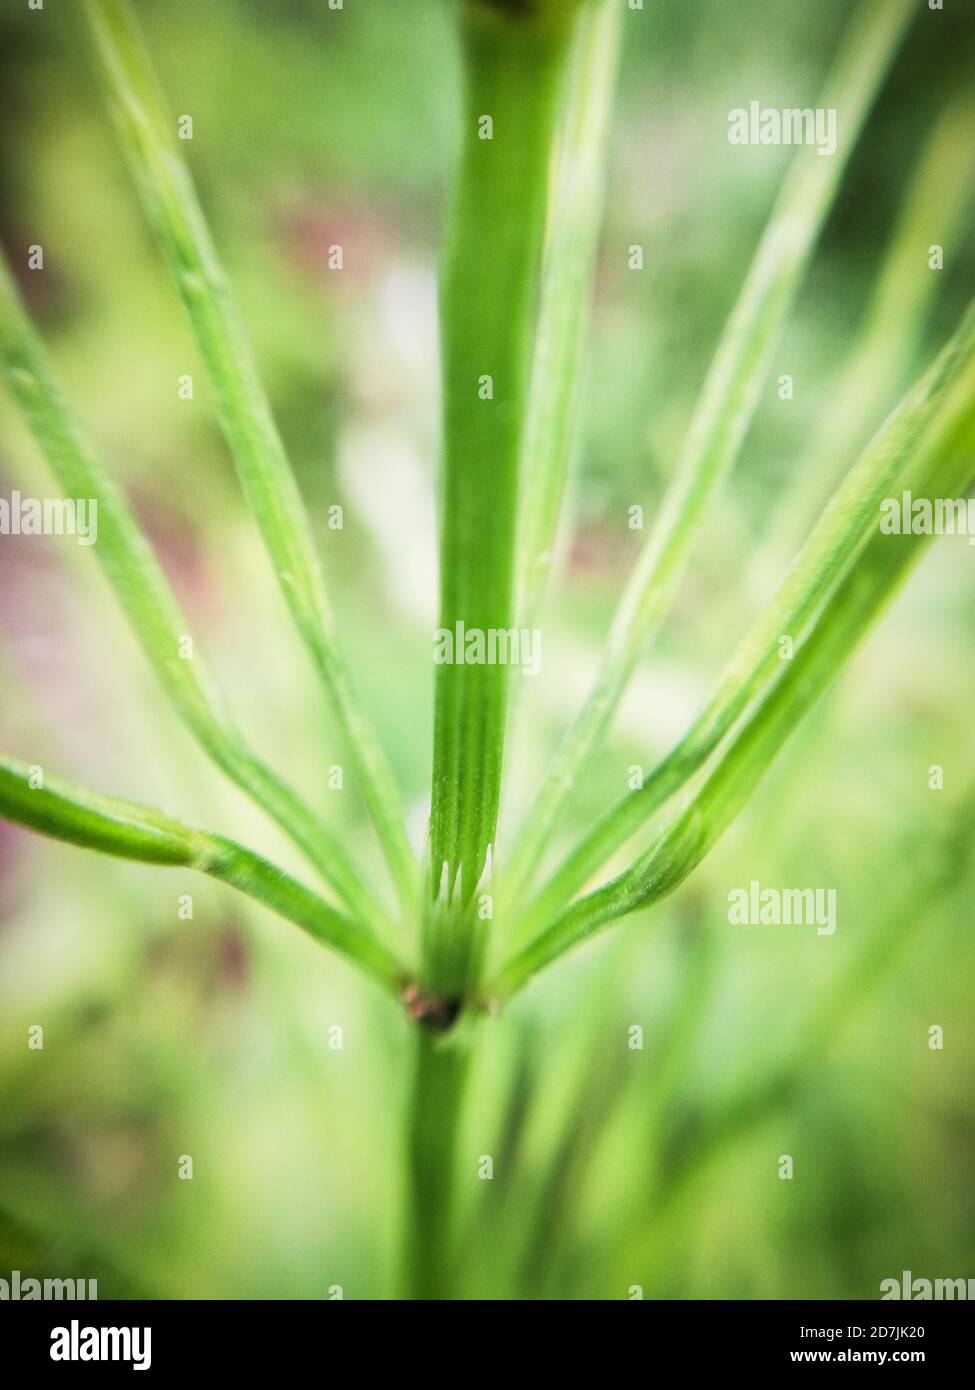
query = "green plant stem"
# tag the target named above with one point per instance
(440, 1069)
(838, 537)
(723, 411)
(575, 218)
(513, 65)
(943, 468)
(148, 136)
(131, 831)
(153, 612)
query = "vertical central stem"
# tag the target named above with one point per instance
(440, 1068)
(514, 57)
(513, 61)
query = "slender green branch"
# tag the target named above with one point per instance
(840, 534)
(513, 62)
(149, 604)
(724, 408)
(127, 830)
(164, 184)
(943, 468)
(107, 824)
(573, 232)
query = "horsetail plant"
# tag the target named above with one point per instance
(518, 257)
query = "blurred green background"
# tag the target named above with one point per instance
(214, 1037)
